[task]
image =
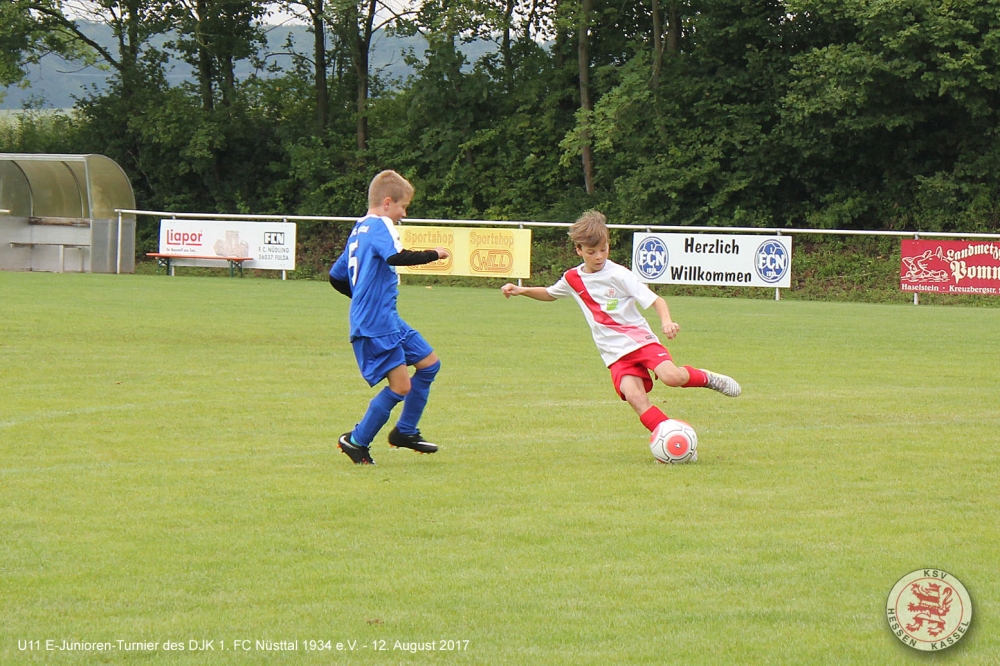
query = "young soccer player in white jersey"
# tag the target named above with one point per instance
(384, 344)
(608, 294)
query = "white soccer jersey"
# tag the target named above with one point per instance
(608, 299)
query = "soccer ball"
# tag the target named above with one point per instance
(674, 442)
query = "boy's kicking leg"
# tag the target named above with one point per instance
(689, 377)
(406, 434)
(633, 390)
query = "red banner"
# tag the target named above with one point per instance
(950, 267)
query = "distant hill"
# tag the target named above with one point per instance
(56, 82)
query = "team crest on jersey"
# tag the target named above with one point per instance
(611, 292)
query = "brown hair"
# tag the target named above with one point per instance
(388, 184)
(589, 230)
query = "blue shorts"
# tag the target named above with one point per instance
(377, 356)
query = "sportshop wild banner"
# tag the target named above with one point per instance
(950, 267)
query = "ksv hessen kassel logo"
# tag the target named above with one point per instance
(771, 261)
(651, 258)
(929, 609)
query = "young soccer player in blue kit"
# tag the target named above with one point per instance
(384, 344)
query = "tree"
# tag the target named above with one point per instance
(132, 22)
(586, 106)
(26, 35)
(672, 44)
(353, 24)
(482, 137)
(212, 36)
(695, 143)
(359, 25)
(894, 115)
(315, 13)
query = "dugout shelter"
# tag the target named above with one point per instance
(57, 213)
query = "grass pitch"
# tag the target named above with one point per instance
(168, 475)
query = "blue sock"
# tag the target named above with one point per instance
(416, 399)
(378, 413)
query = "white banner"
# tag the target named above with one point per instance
(713, 259)
(270, 245)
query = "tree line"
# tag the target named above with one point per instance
(796, 113)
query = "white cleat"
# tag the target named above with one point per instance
(723, 384)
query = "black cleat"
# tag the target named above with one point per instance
(415, 442)
(359, 455)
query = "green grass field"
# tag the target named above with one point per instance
(168, 472)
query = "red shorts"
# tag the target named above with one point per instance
(638, 363)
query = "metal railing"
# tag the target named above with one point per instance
(528, 223)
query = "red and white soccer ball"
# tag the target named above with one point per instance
(674, 442)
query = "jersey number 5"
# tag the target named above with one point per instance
(352, 263)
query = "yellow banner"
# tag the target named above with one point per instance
(476, 252)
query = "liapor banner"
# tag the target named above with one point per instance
(950, 267)
(270, 244)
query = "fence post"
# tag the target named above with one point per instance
(916, 294)
(118, 264)
(777, 291)
(284, 275)
(521, 226)
(173, 268)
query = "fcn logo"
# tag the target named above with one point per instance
(651, 258)
(772, 261)
(929, 609)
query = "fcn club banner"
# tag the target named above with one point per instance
(270, 244)
(950, 267)
(713, 259)
(502, 253)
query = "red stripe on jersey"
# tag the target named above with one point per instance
(600, 316)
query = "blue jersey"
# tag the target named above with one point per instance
(374, 283)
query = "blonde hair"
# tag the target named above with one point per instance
(390, 184)
(589, 230)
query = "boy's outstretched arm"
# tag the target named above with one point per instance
(417, 257)
(537, 293)
(669, 326)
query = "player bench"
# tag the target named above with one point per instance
(59, 221)
(62, 251)
(166, 260)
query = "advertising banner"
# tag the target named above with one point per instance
(270, 244)
(713, 259)
(950, 267)
(500, 253)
